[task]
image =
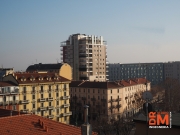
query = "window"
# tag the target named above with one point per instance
(24, 97)
(79, 90)
(49, 87)
(42, 104)
(41, 88)
(33, 106)
(33, 89)
(98, 91)
(57, 94)
(14, 98)
(24, 106)
(93, 90)
(49, 94)
(118, 90)
(57, 111)
(57, 87)
(49, 103)
(24, 89)
(42, 96)
(98, 98)
(88, 90)
(111, 91)
(33, 96)
(57, 102)
(14, 107)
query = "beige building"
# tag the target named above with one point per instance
(108, 98)
(86, 55)
(45, 94)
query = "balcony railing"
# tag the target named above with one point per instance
(42, 108)
(83, 98)
(24, 101)
(50, 116)
(118, 106)
(50, 99)
(103, 100)
(42, 100)
(93, 99)
(111, 100)
(15, 102)
(65, 97)
(118, 99)
(66, 105)
(50, 107)
(25, 110)
(67, 114)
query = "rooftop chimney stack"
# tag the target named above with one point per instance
(86, 127)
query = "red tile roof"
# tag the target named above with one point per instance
(28, 124)
(7, 83)
(106, 85)
(39, 77)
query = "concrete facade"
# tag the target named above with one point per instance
(154, 72)
(86, 55)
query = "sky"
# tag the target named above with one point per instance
(135, 30)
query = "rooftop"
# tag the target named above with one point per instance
(6, 83)
(106, 85)
(29, 124)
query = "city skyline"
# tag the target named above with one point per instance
(141, 31)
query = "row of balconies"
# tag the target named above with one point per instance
(49, 91)
(9, 102)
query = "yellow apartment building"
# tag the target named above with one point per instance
(109, 99)
(45, 94)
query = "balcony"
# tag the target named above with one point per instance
(67, 114)
(118, 106)
(118, 99)
(24, 101)
(50, 116)
(83, 55)
(93, 99)
(42, 100)
(103, 100)
(50, 99)
(50, 107)
(111, 100)
(65, 97)
(15, 102)
(83, 98)
(66, 105)
(79, 104)
(25, 110)
(42, 108)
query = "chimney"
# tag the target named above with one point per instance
(46, 128)
(86, 127)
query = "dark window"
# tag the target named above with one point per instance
(24, 97)
(57, 87)
(57, 111)
(33, 105)
(14, 98)
(24, 106)
(49, 103)
(57, 102)
(33, 96)
(49, 94)
(42, 104)
(24, 89)
(41, 95)
(49, 87)
(57, 94)
(41, 88)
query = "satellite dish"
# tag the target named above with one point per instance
(147, 96)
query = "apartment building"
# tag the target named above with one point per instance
(9, 96)
(63, 69)
(87, 56)
(108, 99)
(44, 94)
(154, 72)
(172, 70)
(5, 71)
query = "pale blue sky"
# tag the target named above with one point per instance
(135, 30)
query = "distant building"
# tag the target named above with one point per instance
(44, 94)
(32, 124)
(172, 70)
(109, 99)
(9, 95)
(5, 71)
(154, 72)
(86, 55)
(63, 69)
